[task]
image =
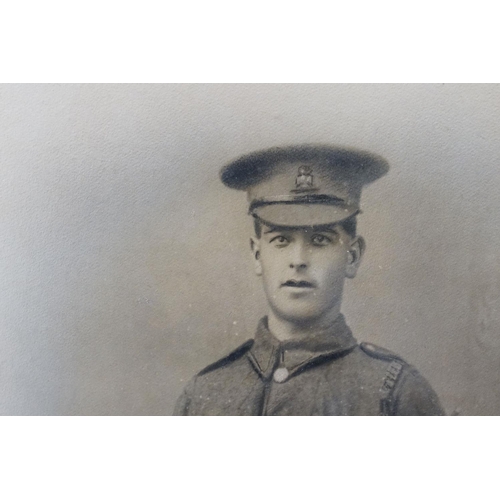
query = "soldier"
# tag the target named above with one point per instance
(304, 359)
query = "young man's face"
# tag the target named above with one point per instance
(304, 269)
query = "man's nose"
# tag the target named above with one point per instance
(299, 256)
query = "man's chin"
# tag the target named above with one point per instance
(299, 315)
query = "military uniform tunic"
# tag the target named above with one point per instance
(328, 374)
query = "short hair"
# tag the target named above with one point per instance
(348, 225)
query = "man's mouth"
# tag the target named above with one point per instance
(298, 284)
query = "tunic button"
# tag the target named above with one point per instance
(280, 375)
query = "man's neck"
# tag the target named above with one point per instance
(284, 329)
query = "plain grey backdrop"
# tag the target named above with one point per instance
(125, 262)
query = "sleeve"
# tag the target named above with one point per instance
(183, 405)
(415, 396)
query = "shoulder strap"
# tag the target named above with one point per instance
(387, 390)
(391, 378)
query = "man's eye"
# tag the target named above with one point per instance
(280, 240)
(320, 239)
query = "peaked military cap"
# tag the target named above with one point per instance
(305, 185)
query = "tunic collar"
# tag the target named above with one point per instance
(268, 352)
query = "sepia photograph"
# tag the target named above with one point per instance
(250, 249)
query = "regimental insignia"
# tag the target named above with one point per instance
(304, 180)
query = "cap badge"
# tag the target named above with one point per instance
(305, 180)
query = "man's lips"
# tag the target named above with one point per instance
(298, 284)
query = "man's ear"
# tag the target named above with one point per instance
(355, 254)
(255, 247)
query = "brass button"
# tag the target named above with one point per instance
(280, 375)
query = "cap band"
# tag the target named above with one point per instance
(309, 199)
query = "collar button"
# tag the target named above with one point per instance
(280, 375)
